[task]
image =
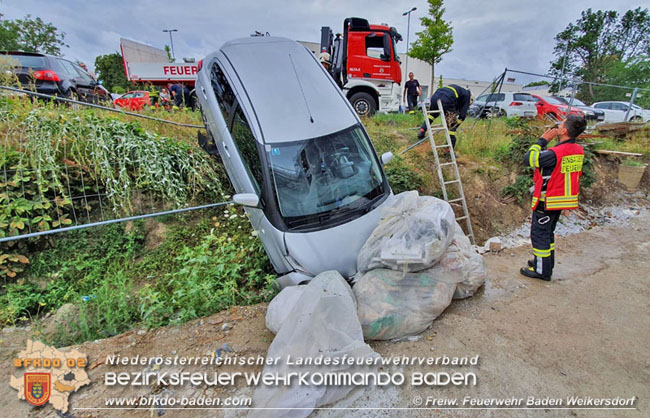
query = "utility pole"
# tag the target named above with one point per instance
(566, 52)
(171, 40)
(408, 32)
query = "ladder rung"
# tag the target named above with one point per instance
(433, 111)
(455, 200)
(451, 181)
(443, 146)
(461, 218)
(444, 164)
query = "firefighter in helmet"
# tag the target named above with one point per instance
(455, 103)
(557, 185)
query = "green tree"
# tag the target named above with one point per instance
(110, 71)
(588, 48)
(31, 35)
(168, 50)
(436, 38)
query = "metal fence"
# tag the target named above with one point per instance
(45, 188)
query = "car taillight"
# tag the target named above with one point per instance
(200, 64)
(516, 104)
(48, 75)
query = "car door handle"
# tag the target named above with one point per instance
(225, 148)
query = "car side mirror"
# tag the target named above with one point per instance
(246, 199)
(386, 157)
(538, 103)
(384, 57)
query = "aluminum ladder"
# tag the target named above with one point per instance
(432, 130)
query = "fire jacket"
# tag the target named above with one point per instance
(557, 174)
(454, 98)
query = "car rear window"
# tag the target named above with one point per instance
(551, 100)
(30, 61)
(523, 97)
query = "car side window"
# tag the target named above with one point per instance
(223, 91)
(482, 98)
(68, 68)
(246, 143)
(602, 106)
(83, 74)
(619, 106)
(127, 96)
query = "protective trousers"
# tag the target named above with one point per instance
(542, 236)
(412, 101)
(452, 124)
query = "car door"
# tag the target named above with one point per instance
(610, 114)
(88, 83)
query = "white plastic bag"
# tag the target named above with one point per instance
(461, 258)
(393, 304)
(413, 234)
(281, 306)
(323, 322)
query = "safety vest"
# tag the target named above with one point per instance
(564, 184)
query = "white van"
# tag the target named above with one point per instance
(299, 158)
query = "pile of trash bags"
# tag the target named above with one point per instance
(411, 267)
(415, 262)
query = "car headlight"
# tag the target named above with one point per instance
(589, 112)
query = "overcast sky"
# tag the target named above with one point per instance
(489, 35)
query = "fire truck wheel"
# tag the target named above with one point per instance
(363, 103)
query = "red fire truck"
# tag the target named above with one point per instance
(365, 64)
(144, 63)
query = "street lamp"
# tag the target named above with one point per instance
(171, 40)
(408, 32)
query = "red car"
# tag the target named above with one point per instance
(133, 100)
(549, 106)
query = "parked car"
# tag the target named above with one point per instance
(297, 154)
(548, 106)
(591, 113)
(504, 104)
(133, 100)
(52, 75)
(615, 112)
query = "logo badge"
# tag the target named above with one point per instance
(37, 388)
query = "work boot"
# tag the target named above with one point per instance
(530, 272)
(421, 134)
(531, 263)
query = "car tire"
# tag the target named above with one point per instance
(71, 94)
(502, 113)
(636, 119)
(363, 103)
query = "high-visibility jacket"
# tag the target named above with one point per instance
(563, 186)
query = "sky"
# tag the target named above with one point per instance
(488, 35)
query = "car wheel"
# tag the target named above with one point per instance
(364, 104)
(502, 113)
(636, 119)
(73, 95)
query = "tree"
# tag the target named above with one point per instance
(599, 40)
(436, 38)
(31, 35)
(168, 50)
(110, 71)
(538, 83)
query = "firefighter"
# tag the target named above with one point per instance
(557, 185)
(455, 103)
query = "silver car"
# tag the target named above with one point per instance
(299, 158)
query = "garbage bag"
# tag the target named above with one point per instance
(323, 322)
(281, 306)
(414, 232)
(461, 259)
(395, 304)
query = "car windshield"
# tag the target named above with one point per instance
(551, 100)
(320, 178)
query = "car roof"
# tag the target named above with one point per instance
(287, 89)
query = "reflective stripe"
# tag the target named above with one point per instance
(533, 158)
(567, 184)
(552, 246)
(542, 253)
(452, 89)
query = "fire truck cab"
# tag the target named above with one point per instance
(365, 64)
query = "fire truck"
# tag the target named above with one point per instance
(146, 64)
(364, 63)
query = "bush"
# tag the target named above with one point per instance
(401, 177)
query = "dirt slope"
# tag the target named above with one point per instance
(585, 333)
